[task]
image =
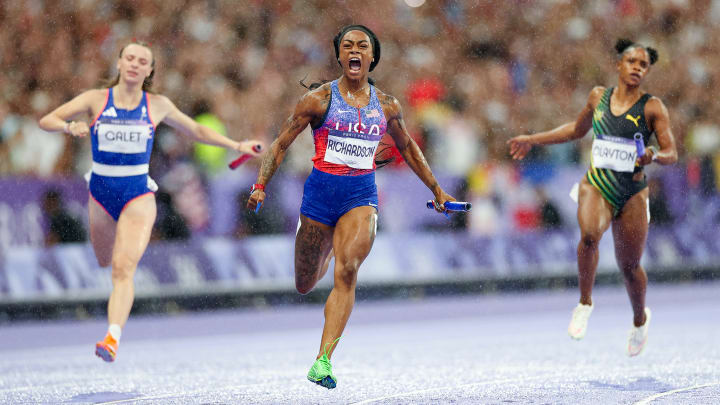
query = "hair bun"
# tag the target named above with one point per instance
(653, 55)
(622, 44)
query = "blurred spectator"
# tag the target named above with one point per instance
(211, 159)
(170, 225)
(659, 212)
(469, 75)
(63, 227)
(183, 180)
(268, 220)
(550, 217)
(708, 182)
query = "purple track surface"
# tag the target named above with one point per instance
(489, 349)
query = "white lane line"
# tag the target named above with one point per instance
(123, 401)
(404, 394)
(666, 393)
(172, 395)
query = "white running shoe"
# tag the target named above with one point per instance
(578, 323)
(638, 336)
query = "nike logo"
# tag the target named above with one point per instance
(345, 111)
(633, 119)
(372, 205)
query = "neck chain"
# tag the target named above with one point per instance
(351, 95)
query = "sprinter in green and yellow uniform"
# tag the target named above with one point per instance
(614, 190)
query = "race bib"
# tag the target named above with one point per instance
(123, 138)
(617, 154)
(351, 149)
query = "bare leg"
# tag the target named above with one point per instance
(313, 242)
(326, 265)
(630, 233)
(594, 217)
(354, 237)
(133, 234)
(102, 232)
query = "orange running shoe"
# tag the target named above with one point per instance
(107, 348)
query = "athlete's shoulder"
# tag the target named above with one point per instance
(654, 100)
(389, 103)
(155, 98)
(315, 101)
(596, 95)
(598, 91)
(95, 95)
(655, 106)
(321, 92)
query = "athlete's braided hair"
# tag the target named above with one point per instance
(622, 45)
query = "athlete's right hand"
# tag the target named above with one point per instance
(519, 146)
(78, 128)
(256, 197)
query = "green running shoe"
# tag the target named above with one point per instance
(321, 373)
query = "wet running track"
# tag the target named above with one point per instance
(489, 349)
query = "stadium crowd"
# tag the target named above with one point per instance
(469, 74)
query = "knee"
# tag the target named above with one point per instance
(589, 240)
(122, 269)
(346, 273)
(104, 261)
(303, 288)
(630, 268)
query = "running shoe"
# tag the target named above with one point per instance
(638, 336)
(578, 323)
(107, 348)
(321, 373)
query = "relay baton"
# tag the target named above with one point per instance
(639, 144)
(244, 157)
(452, 205)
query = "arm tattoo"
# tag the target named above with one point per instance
(268, 167)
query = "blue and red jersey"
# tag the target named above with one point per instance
(347, 141)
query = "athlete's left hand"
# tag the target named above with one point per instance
(441, 197)
(647, 158)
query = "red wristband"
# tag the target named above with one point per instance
(257, 186)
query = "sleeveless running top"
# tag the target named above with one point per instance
(122, 139)
(346, 142)
(614, 153)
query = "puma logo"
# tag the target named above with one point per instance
(633, 119)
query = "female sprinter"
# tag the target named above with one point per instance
(348, 116)
(614, 190)
(121, 204)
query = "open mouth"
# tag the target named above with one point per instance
(355, 64)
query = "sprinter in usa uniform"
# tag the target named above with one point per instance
(614, 190)
(348, 117)
(122, 205)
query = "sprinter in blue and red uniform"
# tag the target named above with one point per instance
(121, 204)
(348, 116)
